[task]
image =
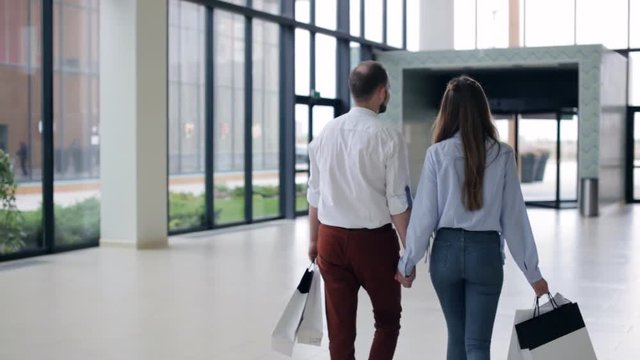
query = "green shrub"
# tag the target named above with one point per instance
(266, 191)
(186, 210)
(12, 236)
(77, 223)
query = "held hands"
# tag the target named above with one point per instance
(406, 281)
(540, 287)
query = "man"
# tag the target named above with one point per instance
(359, 184)
(23, 155)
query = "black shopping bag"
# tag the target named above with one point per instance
(557, 334)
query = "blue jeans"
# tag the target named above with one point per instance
(467, 274)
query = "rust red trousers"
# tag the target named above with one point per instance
(354, 258)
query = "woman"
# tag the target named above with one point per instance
(469, 195)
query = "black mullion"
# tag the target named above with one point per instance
(29, 93)
(362, 28)
(384, 21)
(48, 222)
(287, 118)
(404, 24)
(343, 57)
(631, 124)
(366, 52)
(209, 118)
(558, 119)
(248, 120)
(313, 12)
(312, 45)
(308, 100)
(288, 21)
(312, 67)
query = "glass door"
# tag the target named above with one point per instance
(311, 117)
(537, 158)
(568, 159)
(634, 185)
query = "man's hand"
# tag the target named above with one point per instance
(540, 287)
(313, 251)
(406, 281)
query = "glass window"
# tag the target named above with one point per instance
(303, 62)
(464, 24)
(229, 118)
(302, 178)
(321, 116)
(395, 23)
(270, 6)
(326, 66)
(266, 120)
(634, 40)
(302, 137)
(354, 14)
(493, 24)
(76, 136)
(413, 25)
(326, 14)
(20, 128)
(610, 15)
(354, 54)
(634, 78)
(373, 20)
(302, 156)
(186, 116)
(303, 10)
(549, 28)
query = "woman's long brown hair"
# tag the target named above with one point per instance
(465, 109)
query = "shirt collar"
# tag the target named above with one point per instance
(363, 111)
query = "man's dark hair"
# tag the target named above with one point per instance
(366, 78)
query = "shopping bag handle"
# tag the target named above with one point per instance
(536, 309)
(312, 266)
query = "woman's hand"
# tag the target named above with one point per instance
(540, 287)
(406, 281)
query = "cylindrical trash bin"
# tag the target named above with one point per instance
(588, 197)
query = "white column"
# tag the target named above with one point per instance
(133, 122)
(436, 25)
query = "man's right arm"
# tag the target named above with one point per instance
(401, 222)
(397, 181)
(314, 225)
(313, 198)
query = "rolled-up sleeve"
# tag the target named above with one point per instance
(398, 192)
(424, 217)
(313, 186)
(516, 229)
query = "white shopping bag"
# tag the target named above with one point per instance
(284, 335)
(572, 345)
(311, 328)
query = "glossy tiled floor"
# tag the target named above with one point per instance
(218, 295)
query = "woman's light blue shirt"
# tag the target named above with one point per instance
(438, 204)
